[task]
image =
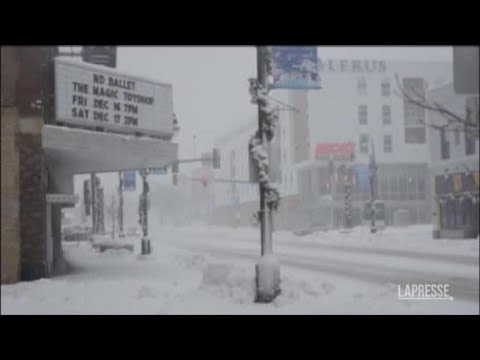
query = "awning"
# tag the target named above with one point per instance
(78, 151)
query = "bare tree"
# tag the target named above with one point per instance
(453, 122)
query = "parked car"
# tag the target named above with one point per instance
(76, 233)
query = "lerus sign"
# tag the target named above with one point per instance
(91, 95)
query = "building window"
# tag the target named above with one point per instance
(444, 145)
(414, 114)
(362, 86)
(469, 144)
(387, 143)
(362, 115)
(385, 87)
(403, 188)
(386, 114)
(415, 135)
(363, 144)
(457, 137)
(422, 193)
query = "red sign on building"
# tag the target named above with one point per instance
(335, 151)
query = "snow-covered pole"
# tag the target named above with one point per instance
(268, 268)
(262, 81)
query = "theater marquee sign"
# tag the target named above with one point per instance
(90, 95)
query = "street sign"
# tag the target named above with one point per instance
(335, 151)
(88, 95)
(62, 199)
(295, 67)
(129, 178)
(361, 173)
(101, 55)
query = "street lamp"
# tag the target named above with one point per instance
(373, 181)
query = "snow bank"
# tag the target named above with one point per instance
(268, 277)
(224, 281)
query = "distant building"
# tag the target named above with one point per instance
(454, 167)
(357, 102)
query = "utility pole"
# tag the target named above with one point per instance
(120, 205)
(100, 222)
(331, 173)
(93, 183)
(373, 184)
(262, 80)
(112, 209)
(146, 250)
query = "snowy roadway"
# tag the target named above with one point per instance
(210, 270)
(377, 263)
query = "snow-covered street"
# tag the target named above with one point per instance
(210, 270)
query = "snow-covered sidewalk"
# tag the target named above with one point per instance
(210, 270)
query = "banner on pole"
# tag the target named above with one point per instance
(129, 178)
(295, 67)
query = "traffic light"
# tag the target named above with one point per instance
(216, 158)
(175, 167)
(175, 170)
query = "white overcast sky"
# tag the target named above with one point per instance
(210, 87)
